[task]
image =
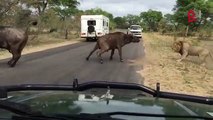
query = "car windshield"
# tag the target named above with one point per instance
(135, 27)
(98, 103)
(91, 22)
(166, 46)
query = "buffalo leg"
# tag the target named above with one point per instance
(16, 52)
(95, 48)
(112, 53)
(22, 46)
(16, 55)
(10, 61)
(99, 55)
(120, 53)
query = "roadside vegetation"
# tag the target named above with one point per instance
(63, 18)
(160, 66)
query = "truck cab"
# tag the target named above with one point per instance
(94, 26)
(136, 30)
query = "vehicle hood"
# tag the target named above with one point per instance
(69, 103)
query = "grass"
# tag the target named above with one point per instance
(186, 77)
(50, 38)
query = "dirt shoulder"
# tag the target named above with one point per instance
(42, 43)
(160, 65)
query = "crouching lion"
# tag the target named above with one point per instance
(185, 49)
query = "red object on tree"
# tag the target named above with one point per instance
(191, 16)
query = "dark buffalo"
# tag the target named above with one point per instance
(14, 40)
(111, 42)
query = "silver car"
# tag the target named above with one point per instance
(136, 30)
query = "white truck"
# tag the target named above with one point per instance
(94, 26)
(136, 30)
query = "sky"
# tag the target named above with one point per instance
(124, 7)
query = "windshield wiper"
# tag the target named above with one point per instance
(17, 108)
(67, 117)
(101, 116)
(104, 84)
(24, 112)
(81, 116)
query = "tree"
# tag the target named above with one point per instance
(132, 19)
(120, 22)
(181, 13)
(23, 18)
(163, 25)
(151, 18)
(8, 9)
(39, 5)
(210, 6)
(65, 9)
(99, 11)
(6, 6)
(170, 19)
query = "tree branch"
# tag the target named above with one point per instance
(10, 5)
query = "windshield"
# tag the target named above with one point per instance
(165, 45)
(94, 101)
(91, 22)
(135, 27)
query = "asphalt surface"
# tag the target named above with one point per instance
(61, 65)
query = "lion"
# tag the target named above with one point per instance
(185, 49)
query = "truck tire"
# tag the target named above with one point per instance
(91, 29)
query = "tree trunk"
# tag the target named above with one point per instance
(187, 30)
(39, 28)
(199, 23)
(66, 33)
(175, 36)
(176, 27)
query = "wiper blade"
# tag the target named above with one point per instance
(111, 85)
(86, 116)
(26, 117)
(101, 116)
(66, 117)
(23, 111)
(104, 116)
(17, 108)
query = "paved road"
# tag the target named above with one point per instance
(61, 65)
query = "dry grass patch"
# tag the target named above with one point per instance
(160, 65)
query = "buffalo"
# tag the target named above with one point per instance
(111, 42)
(14, 40)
